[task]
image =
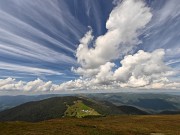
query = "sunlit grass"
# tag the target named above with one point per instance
(79, 110)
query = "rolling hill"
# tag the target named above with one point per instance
(150, 102)
(7, 102)
(58, 107)
(67, 106)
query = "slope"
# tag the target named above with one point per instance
(58, 107)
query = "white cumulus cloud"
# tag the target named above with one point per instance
(124, 26)
(141, 70)
(96, 57)
(11, 84)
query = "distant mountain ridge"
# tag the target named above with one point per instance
(7, 102)
(154, 103)
(69, 106)
(131, 110)
(150, 102)
(44, 107)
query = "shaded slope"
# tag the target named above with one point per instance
(37, 110)
(132, 110)
(155, 104)
(53, 108)
(151, 102)
(7, 102)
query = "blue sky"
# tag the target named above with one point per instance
(39, 38)
(45, 34)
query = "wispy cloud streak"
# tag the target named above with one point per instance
(28, 69)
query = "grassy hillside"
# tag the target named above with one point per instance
(111, 125)
(154, 103)
(80, 110)
(37, 110)
(7, 102)
(58, 107)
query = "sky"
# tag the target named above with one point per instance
(83, 45)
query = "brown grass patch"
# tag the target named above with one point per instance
(111, 125)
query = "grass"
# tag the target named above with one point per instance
(80, 110)
(111, 125)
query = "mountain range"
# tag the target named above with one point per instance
(68, 106)
(45, 107)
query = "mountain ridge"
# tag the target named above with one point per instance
(58, 107)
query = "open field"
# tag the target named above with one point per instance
(111, 125)
(80, 110)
